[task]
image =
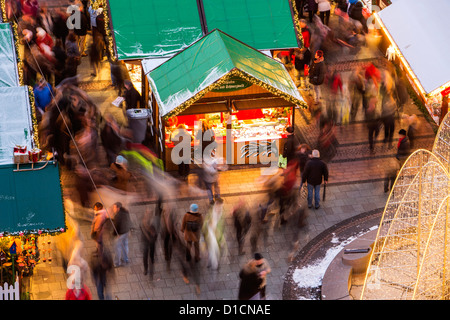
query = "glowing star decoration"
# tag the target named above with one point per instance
(409, 260)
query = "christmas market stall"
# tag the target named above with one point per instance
(226, 84)
(414, 35)
(31, 205)
(162, 29)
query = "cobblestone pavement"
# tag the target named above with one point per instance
(355, 187)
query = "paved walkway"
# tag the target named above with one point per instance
(355, 187)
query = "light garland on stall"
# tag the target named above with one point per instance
(16, 45)
(3, 9)
(221, 81)
(16, 39)
(33, 117)
(401, 57)
(271, 89)
(297, 28)
(109, 36)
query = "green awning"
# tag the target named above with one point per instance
(157, 29)
(8, 66)
(153, 28)
(207, 63)
(31, 201)
(262, 24)
(16, 126)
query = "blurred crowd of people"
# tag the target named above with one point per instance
(74, 131)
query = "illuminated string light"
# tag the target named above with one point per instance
(399, 54)
(235, 72)
(409, 257)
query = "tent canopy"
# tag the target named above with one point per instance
(30, 200)
(8, 66)
(156, 29)
(419, 30)
(190, 74)
(262, 24)
(15, 122)
(153, 28)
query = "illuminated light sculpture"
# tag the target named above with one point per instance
(410, 255)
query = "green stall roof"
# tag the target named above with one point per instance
(8, 67)
(153, 28)
(262, 24)
(157, 29)
(30, 200)
(190, 74)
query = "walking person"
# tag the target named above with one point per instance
(191, 226)
(132, 96)
(373, 122)
(357, 90)
(213, 233)
(315, 172)
(290, 146)
(391, 173)
(324, 7)
(312, 9)
(150, 229)
(242, 222)
(250, 282)
(97, 226)
(403, 147)
(388, 109)
(95, 54)
(177, 137)
(102, 268)
(81, 32)
(210, 176)
(303, 154)
(122, 227)
(317, 73)
(263, 268)
(168, 233)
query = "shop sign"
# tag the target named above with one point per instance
(232, 84)
(445, 92)
(13, 248)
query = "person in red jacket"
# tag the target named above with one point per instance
(78, 294)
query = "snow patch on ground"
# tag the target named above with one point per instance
(311, 276)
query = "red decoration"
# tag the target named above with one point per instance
(445, 92)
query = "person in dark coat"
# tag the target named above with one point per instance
(315, 170)
(355, 12)
(290, 146)
(150, 225)
(132, 96)
(242, 222)
(191, 226)
(111, 138)
(249, 288)
(299, 4)
(403, 147)
(122, 227)
(96, 54)
(82, 32)
(60, 61)
(303, 154)
(60, 30)
(101, 266)
(312, 9)
(317, 72)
